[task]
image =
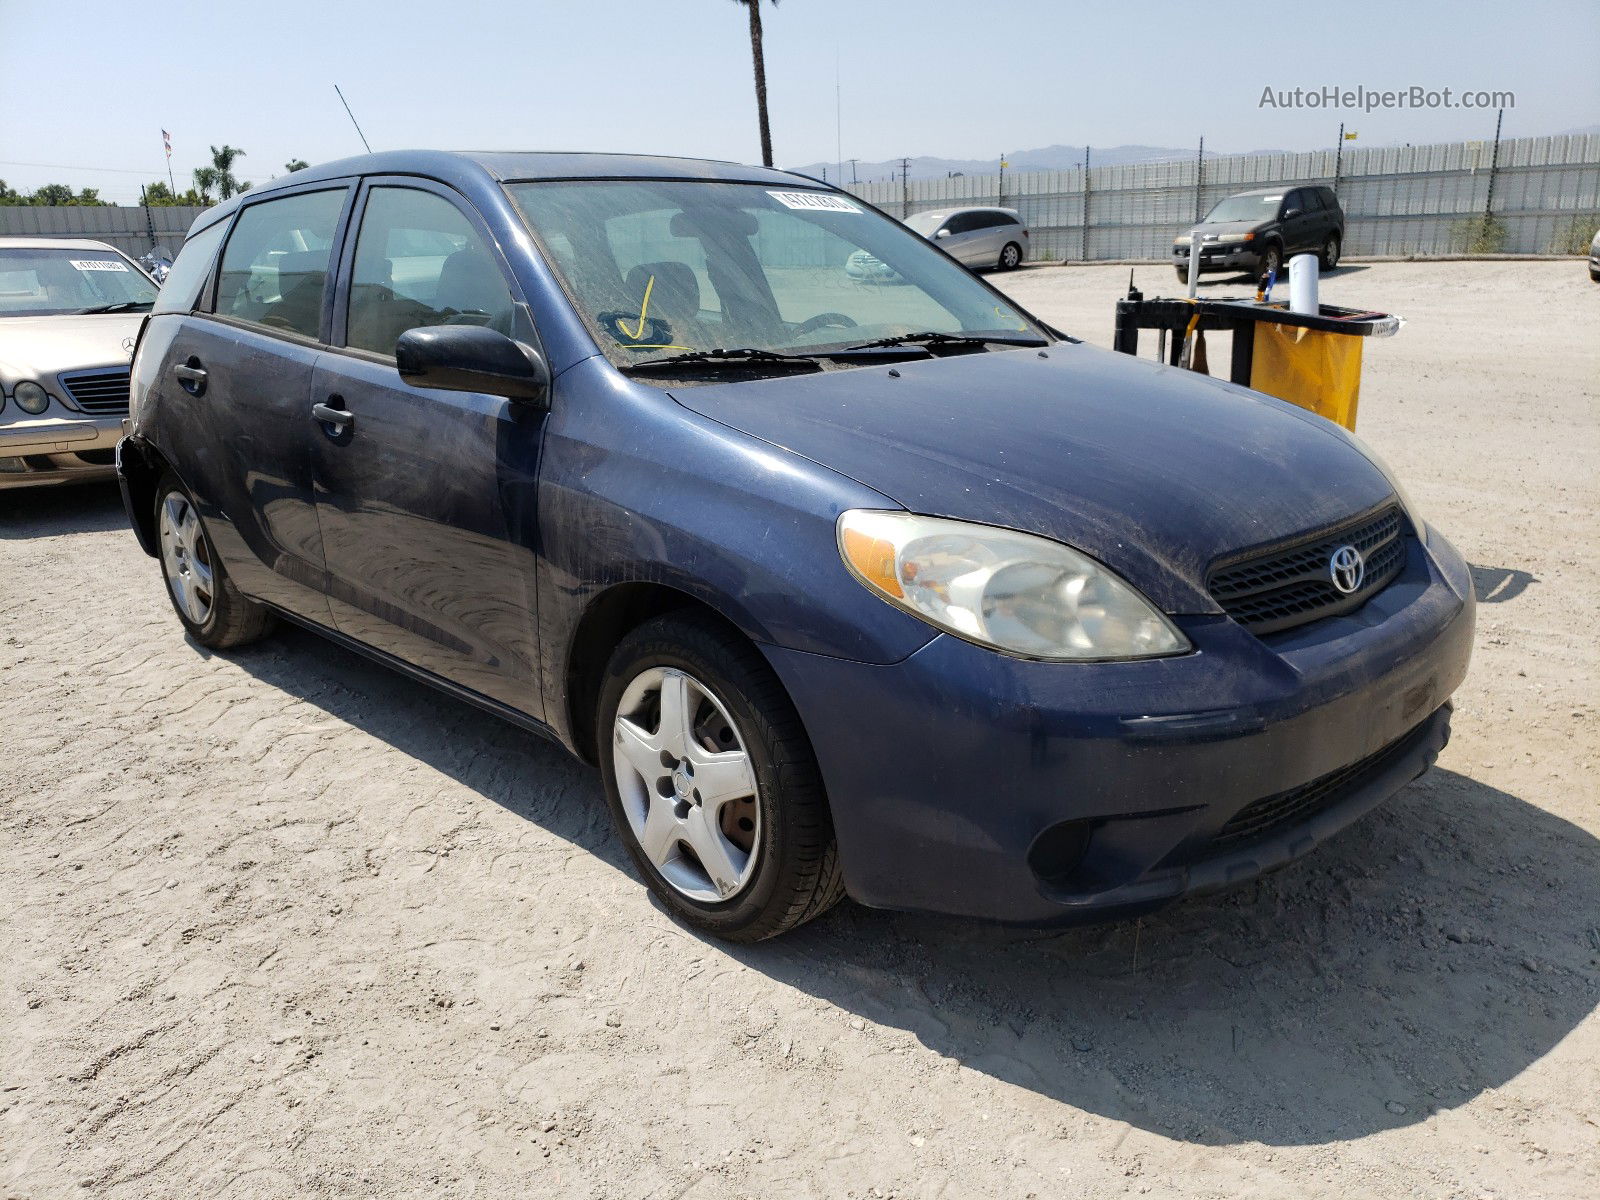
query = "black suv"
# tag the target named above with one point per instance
(1257, 231)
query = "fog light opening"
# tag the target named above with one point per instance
(1057, 853)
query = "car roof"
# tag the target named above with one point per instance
(463, 168)
(1279, 190)
(51, 243)
(950, 212)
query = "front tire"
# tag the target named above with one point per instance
(1010, 257)
(1272, 261)
(712, 782)
(216, 614)
(1329, 258)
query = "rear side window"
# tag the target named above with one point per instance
(420, 262)
(275, 265)
(181, 290)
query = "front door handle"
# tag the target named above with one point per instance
(339, 418)
(191, 375)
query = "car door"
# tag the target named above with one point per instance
(1299, 230)
(426, 498)
(236, 378)
(963, 231)
(991, 239)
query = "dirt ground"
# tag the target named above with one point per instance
(279, 923)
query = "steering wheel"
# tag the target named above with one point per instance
(823, 321)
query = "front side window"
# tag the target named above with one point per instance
(420, 262)
(275, 266)
(672, 266)
(51, 282)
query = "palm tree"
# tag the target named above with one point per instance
(205, 178)
(754, 8)
(295, 164)
(222, 162)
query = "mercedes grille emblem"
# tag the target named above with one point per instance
(1347, 569)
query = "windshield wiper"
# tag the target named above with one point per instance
(114, 306)
(746, 356)
(932, 338)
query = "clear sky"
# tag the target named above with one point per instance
(91, 83)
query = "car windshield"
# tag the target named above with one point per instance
(1245, 208)
(659, 268)
(49, 282)
(926, 222)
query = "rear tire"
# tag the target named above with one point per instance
(216, 614)
(733, 710)
(1010, 257)
(1594, 274)
(1183, 275)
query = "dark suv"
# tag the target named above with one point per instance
(1257, 231)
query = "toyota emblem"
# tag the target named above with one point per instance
(1347, 569)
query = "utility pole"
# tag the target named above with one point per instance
(1002, 198)
(905, 188)
(853, 179)
(1083, 244)
(149, 221)
(1199, 179)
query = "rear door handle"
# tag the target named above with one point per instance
(339, 418)
(191, 375)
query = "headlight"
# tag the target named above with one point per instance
(30, 397)
(1010, 591)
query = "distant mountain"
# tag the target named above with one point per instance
(1581, 132)
(1048, 158)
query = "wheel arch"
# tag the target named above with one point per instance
(140, 467)
(610, 617)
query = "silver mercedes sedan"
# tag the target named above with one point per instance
(69, 313)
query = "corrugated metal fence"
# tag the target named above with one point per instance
(125, 228)
(1398, 199)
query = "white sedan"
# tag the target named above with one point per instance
(69, 313)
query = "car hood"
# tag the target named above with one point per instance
(1222, 229)
(1153, 470)
(31, 347)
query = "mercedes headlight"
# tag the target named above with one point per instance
(30, 397)
(1015, 592)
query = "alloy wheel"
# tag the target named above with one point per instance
(687, 784)
(186, 559)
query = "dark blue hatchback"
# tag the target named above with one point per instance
(867, 586)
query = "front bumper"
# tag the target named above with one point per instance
(945, 770)
(35, 451)
(1218, 258)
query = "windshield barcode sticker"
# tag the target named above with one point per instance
(814, 202)
(97, 264)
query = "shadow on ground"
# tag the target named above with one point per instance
(48, 511)
(1432, 952)
(1496, 585)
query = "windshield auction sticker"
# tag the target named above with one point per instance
(97, 264)
(814, 202)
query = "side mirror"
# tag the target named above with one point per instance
(943, 233)
(1290, 213)
(470, 358)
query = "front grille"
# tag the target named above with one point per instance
(1291, 585)
(103, 393)
(1258, 819)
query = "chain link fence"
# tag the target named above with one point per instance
(1521, 196)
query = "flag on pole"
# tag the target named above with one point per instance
(166, 140)
(1351, 136)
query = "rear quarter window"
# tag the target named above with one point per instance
(181, 291)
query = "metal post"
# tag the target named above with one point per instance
(905, 188)
(149, 220)
(1199, 179)
(1338, 160)
(1494, 170)
(1001, 201)
(1083, 240)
